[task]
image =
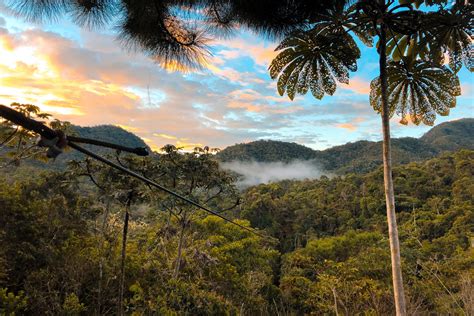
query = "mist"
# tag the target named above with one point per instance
(254, 172)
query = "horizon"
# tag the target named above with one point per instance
(277, 140)
(87, 78)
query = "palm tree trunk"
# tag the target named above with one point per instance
(399, 295)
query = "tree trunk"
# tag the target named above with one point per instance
(335, 300)
(398, 294)
(102, 256)
(123, 256)
(180, 247)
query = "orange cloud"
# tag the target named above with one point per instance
(91, 85)
(357, 85)
(128, 128)
(351, 125)
(30, 74)
(164, 136)
(260, 53)
(263, 108)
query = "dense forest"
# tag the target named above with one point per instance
(324, 248)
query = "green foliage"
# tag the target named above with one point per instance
(342, 269)
(266, 150)
(11, 304)
(418, 82)
(72, 306)
(19, 143)
(448, 136)
(224, 269)
(331, 234)
(326, 250)
(440, 34)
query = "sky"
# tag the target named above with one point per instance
(88, 78)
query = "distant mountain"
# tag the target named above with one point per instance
(451, 136)
(357, 157)
(266, 150)
(108, 133)
(360, 156)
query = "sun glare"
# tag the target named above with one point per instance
(24, 73)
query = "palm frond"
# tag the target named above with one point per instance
(437, 35)
(454, 31)
(419, 90)
(312, 61)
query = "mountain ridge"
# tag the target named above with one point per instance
(353, 157)
(360, 156)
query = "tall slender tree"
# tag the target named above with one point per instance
(415, 83)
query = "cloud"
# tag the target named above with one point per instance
(229, 54)
(113, 87)
(128, 128)
(87, 78)
(467, 90)
(90, 86)
(261, 53)
(348, 126)
(357, 85)
(164, 136)
(253, 173)
(351, 125)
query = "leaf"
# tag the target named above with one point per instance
(313, 61)
(452, 32)
(421, 90)
(285, 75)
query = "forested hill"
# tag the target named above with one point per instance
(266, 150)
(107, 133)
(361, 156)
(451, 136)
(110, 133)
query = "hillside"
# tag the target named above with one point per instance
(451, 136)
(332, 232)
(266, 150)
(361, 156)
(356, 157)
(108, 133)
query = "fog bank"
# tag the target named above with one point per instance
(253, 172)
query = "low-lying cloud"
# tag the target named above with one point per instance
(254, 172)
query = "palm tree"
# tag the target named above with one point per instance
(414, 83)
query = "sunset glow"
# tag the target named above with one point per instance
(89, 79)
